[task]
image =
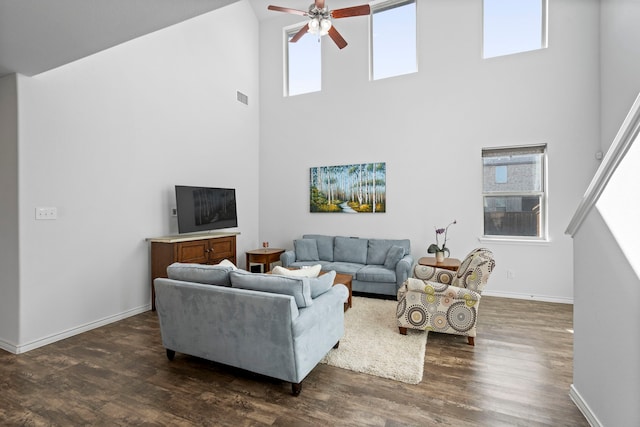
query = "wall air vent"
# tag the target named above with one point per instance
(243, 98)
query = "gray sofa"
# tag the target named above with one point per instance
(378, 266)
(273, 325)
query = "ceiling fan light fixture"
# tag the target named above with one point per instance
(314, 26)
(325, 26)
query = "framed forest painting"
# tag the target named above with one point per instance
(358, 188)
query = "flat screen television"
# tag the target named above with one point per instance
(205, 208)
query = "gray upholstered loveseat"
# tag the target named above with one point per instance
(378, 266)
(273, 325)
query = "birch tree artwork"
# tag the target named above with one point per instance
(348, 188)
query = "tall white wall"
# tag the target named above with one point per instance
(105, 139)
(620, 63)
(9, 276)
(430, 127)
(606, 374)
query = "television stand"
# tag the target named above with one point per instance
(198, 248)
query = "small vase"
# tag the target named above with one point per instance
(439, 256)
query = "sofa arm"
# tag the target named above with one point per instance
(325, 306)
(403, 269)
(287, 258)
(318, 328)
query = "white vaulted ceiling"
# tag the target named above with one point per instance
(37, 35)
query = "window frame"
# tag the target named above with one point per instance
(543, 237)
(380, 6)
(288, 32)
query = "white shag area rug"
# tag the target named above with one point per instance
(373, 345)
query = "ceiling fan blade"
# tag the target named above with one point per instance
(287, 10)
(365, 9)
(337, 38)
(320, 4)
(300, 33)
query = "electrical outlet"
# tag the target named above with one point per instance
(511, 274)
(46, 213)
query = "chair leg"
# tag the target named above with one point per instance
(403, 331)
(471, 341)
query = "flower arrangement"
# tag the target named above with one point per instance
(435, 247)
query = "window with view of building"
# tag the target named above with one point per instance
(513, 26)
(393, 38)
(304, 64)
(514, 192)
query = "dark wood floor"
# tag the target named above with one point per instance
(518, 374)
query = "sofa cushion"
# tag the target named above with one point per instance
(342, 267)
(306, 250)
(375, 273)
(298, 287)
(302, 264)
(377, 251)
(310, 271)
(325, 245)
(200, 273)
(394, 255)
(322, 283)
(350, 249)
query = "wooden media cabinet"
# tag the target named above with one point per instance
(198, 248)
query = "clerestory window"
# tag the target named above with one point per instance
(393, 39)
(513, 26)
(303, 63)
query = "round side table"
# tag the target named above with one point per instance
(449, 263)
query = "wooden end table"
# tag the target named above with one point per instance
(264, 256)
(449, 263)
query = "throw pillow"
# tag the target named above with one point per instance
(394, 255)
(227, 263)
(200, 273)
(311, 271)
(297, 287)
(306, 250)
(322, 283)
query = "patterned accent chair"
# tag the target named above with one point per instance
(445, 301)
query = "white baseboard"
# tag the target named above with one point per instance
(22, 348)
(584, 407)
(10, 347)
(545, 298)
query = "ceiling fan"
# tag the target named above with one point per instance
(320, 19)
